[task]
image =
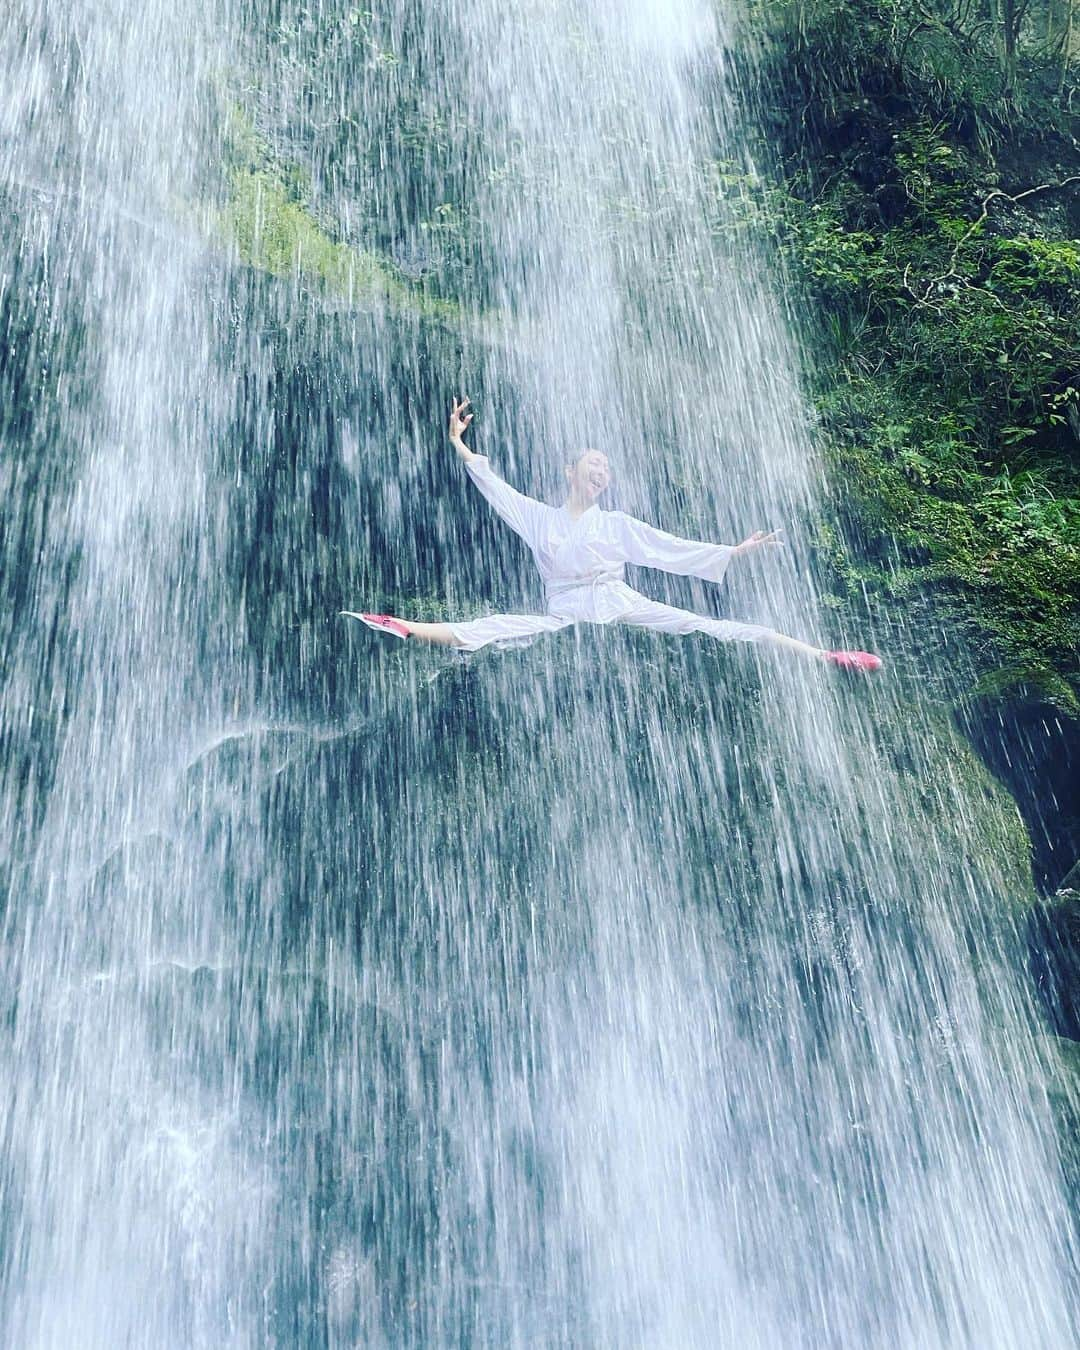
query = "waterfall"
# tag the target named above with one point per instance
(624, 990)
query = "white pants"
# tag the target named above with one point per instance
(612, 602)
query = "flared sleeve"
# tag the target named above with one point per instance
(646, 546)
(521, 513)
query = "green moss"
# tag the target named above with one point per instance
(952, 798)
(272, 232)
(950, 410)
(994, 559)
(267, 222)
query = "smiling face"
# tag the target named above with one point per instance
(589, 476)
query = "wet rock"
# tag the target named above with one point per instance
(1033, 748)
(1055, 959)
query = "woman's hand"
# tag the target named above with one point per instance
(459, 424)
(761, 539)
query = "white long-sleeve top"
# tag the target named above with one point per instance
(592, 550)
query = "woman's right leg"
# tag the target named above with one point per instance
(439, 633)
(498, 628)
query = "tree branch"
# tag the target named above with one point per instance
(983, 214)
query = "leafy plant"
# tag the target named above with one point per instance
(950, 290)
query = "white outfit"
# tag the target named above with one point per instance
(582, 564)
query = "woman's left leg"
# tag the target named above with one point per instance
(667, 619)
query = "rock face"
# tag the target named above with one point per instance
(1056, 957)
(915, 169)
(1033, 748)
(385, 957)
(615, 991)
(423, 914)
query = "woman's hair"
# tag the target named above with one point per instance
(589, 450)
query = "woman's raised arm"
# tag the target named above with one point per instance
(521, 513)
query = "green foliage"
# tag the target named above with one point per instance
(990, 67)
(273, 232)
(950, 291)
(347, 91)
(267, 221)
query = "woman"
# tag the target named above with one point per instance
(581, 552)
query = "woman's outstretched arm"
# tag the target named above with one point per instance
(646, 546)
(521, 513)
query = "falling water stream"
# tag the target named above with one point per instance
(619, 991)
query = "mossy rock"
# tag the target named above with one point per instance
(268, 222)
(275, 233)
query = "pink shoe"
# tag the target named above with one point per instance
(385, 623)
(866, 662)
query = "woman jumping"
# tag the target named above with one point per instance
(581, 552)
